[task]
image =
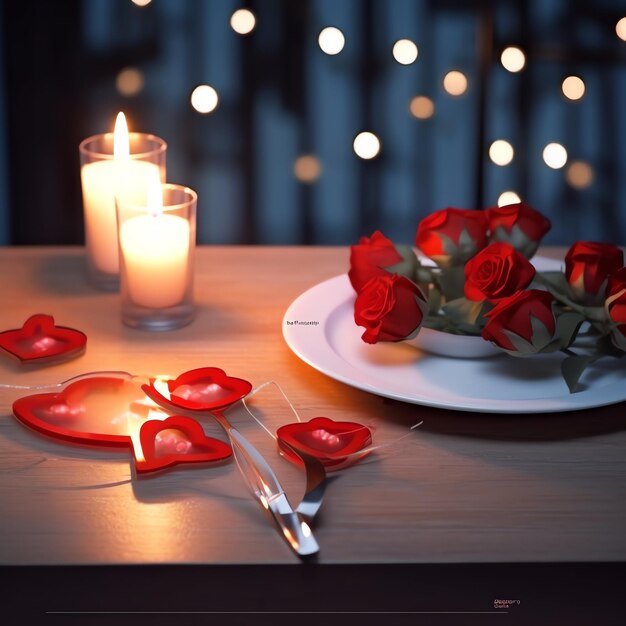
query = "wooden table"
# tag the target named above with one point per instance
(462, 489)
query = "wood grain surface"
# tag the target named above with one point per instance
(462, 488)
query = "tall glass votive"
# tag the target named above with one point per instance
(156, 251)
(103, 174)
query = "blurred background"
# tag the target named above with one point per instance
(317, 121)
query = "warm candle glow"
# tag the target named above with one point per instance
(307, 168)
(121, 142)
(366, 145)
(573, 88)
(129, 81)
(204, 99)
(104, 177)
(154, 195)
(242, 21)
(620, 29)
(331, 40)
(579, 174)
(455, 83)
(155, 248)
(508, 197)
(513, 59)
(501, 152)
(405, 51)
(422, 107)
(555, 155)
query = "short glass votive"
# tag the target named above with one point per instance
(156, 252)
(104, 174)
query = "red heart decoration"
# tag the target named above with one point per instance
(328, 441)
(41, 340)
(175, 440)
(91, 410)
(203, 389)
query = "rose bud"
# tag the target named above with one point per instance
(377, 256)
(390, 308)
(522, 324)
(452, 236)
(497, 271)
(519, 225)
(587, 268)
(615, 307)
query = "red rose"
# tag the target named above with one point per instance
(452, 236)
(519, 225)
(377, 256)
(522, 324)
(390, 308)
(334, 444)
(497, 271)
(587, 269)
(615, 307)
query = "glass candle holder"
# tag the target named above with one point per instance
(103, 175)
(156, 252)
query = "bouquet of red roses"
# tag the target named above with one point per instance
(480, 281)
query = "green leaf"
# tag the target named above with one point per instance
(409, 264)
(424, 275)
(553, 280)
(434, 299)
(452, 281)
(567, 327)
(463, 311)
(572, 369)
(436, 322)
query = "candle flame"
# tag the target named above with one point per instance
(121, 143)
(154, 195)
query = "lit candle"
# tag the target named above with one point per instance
(102, 178)
(155, 247)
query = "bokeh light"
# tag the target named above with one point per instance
(141, 3)
(620, 28)
(366, 145)
(422, 107)
(129, 82)
(513, 59)
(242, 21)
(307, 168)
(573, 88)
(405, 51)
(579, 174)
(555, 155)
(508, 197)
(455, 83)
(331, 40)
(204, 99)
(501, 152)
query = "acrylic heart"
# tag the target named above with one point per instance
(40, 340)
(94, 410)
(328, 441)
(203, 389)
(176, 440)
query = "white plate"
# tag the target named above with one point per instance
(495, 385)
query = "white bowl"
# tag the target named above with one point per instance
(455, 346)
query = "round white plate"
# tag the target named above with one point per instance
(332, 344)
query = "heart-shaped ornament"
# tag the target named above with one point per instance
(94, 410)
(40, 340)
(176, 440)
(332, 443)
(203, 389)
(110, 411)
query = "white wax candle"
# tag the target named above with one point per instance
(101, 180)
(156, 257)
